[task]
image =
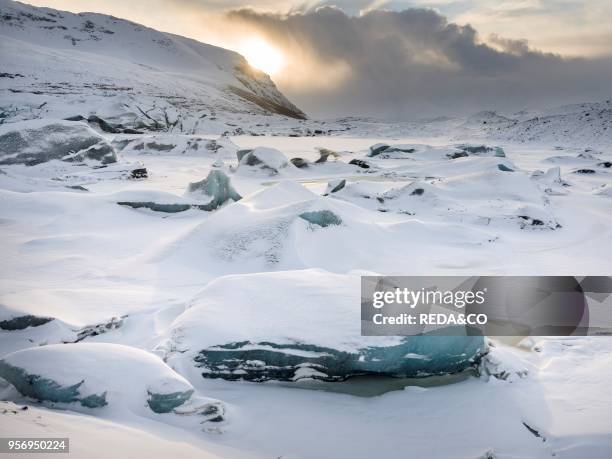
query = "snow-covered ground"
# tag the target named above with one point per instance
(80, 258)
(142, 250)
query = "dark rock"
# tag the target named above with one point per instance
(99, 329)
(140, 173)
(457, 154)
(325, 153)
(22, 322)
(299, 162)
(359, 163)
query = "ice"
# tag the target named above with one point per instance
(159, 145)
(504, 168)
(216, 189)
(335, 186)
(45, 389)
(416, 357)
(158, 207)
(269, 160)
(377, 149)
(384, 150)
(35, 142)
(296, 324)
(95, 375)
(322, 218)
(604, 190)
(483, 150)
(253, 290)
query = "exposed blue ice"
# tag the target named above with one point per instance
(416, 356)
(217, 187)
(323, 218)
(44, 389)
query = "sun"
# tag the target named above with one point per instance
(262, 56)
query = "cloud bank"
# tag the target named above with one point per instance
(415, 63)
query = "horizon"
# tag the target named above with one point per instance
(402, 60)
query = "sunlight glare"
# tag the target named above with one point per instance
(262, 56)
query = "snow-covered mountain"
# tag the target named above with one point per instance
(57, 64)
(586, 124)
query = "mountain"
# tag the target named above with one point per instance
(585, 124)
(57, 64)
(588, 125)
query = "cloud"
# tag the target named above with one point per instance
(411, 63)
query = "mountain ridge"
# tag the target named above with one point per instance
(92, 64)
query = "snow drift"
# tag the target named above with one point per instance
(95, 375)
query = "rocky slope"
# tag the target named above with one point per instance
(57, 64)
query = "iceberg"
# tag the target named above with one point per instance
(157, 207)
(377, 149)
(483, 150)
(94, 375)
(322, 218)
(504, 168)
(334, 186)
(215, 188)
(266, 159)
(36, 141)
(419, 356)
(303, 324)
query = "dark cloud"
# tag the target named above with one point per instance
(415, 63)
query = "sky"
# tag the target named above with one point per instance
(401, 59)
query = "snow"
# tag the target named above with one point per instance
(195, 280)
(36, 141)
(215, 189)
(97, 375)
(150, 294)
(267, 160)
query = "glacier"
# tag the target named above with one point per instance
(304, 324)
